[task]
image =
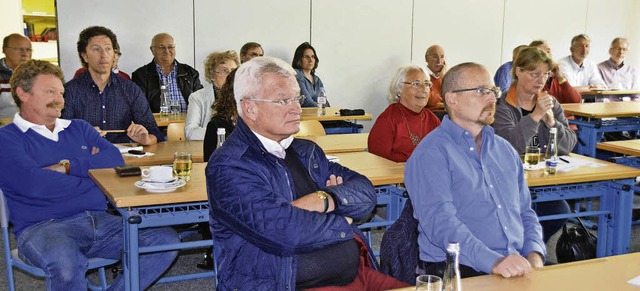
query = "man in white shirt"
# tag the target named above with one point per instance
(578, 70)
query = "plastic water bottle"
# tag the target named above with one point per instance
(551, 155)
(451, 278)
(164, 100)
(221, 137)
(322, 100)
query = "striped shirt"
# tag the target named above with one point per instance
(172, 85)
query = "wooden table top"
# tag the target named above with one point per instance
(378, 170)
(340, 143)
(603, 109)
(626, 147)
(332, 113)
(610, 92)
(610, 273)
(163, 121)
(582, 174)
(163, 153)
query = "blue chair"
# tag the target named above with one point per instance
(11, 258)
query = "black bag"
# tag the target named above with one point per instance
(576, 244)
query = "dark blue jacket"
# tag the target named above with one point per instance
(257, 231)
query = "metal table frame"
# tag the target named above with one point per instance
(591, 131)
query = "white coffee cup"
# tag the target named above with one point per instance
(158, 173)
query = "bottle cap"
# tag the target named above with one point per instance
(553, 130)
(162, 87)
(221, 130)
(453, 247)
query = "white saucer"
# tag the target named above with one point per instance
(158, 187)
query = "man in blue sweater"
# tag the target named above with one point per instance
(58, 213)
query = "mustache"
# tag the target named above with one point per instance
(56, 104)
(490, 107)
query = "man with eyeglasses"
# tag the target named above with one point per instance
(467, 185)
(17, 50)
(179, 79)
(249, 51)
(617, 73)
(581, 72)
(277, 205)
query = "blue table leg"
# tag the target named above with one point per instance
(622, 196)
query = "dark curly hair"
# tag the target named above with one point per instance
(225, 105)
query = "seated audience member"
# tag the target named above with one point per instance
(104, 99)
(249, 51)
(58, 213)
(17, 50)
(617, 73)
(404, 123)
(278, 205)
(225, 115)
(467, 185)
(305, 62)
(437, 66)
(557, 85)
(581, 72)
(115, 69)
(180, 79)
(217, 67)
(525, 116)
(502, 78)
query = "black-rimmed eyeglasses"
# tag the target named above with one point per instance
(483, 91)
(282, 102)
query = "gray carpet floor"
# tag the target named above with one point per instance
(188, 259)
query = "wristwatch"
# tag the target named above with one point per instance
(66, 164)
(324, 196)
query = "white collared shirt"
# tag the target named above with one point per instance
(275, 148)
(25, 125)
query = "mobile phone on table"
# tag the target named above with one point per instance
(136, 152)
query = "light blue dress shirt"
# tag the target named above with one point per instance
(481, 201)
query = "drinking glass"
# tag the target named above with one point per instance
(182, 164)
(531, 156)
(428, 283)
(174, 107)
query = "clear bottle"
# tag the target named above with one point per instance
(164, 100)
(221, 137)
(322, 101)
(551, 155)
(451, 278)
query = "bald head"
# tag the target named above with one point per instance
(17, 50)
(163, 49)
(436, 60)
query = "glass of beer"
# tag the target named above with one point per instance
(531, 156)
(182, 164)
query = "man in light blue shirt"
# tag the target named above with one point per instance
(467, 185)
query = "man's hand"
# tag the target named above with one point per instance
(56, 167)
(535, 260)
(140, 134)
(95, 150)
(334, 181)
(312, 202)
(511, 266)
(102, 133)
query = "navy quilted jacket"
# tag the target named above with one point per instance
(257, 231)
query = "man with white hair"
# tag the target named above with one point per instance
(281, 213)
(618, 74)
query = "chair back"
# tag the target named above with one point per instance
(175, 131)
(310, 128)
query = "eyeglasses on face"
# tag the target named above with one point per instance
(308, 58)
(22, 49)
(538, 75)
(223, 71)
(281, 102)
(162, 47)
(419, 85)
(483, 91)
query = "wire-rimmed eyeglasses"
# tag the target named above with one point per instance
(483, 91)
(419, 85)
(538, 75)
(282, 102)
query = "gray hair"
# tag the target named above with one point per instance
(396, 82)
(248, 80)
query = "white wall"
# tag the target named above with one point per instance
(360, 43)
(10, 18)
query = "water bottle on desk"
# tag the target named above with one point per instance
(451, 278)
(164, 101)
(322, 100)
(551, 155)
(221, 137)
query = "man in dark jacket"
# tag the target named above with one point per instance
(180, 79)
(281, 213)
